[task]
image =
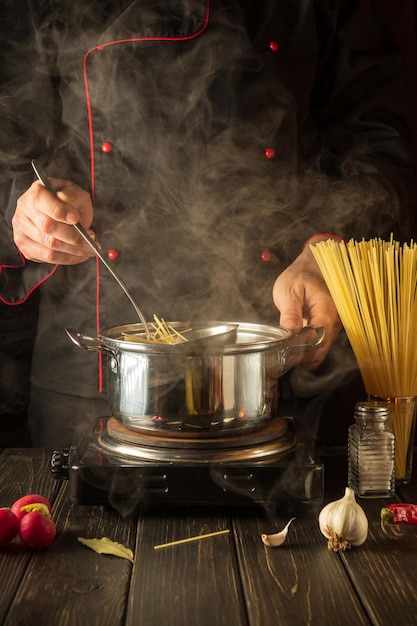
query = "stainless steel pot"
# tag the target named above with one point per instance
(199, 390)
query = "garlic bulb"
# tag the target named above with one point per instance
(344, 522)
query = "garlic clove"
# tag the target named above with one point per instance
(344, 523)
(277, 539)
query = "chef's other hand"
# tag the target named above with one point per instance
(42, 223)
(301, 295)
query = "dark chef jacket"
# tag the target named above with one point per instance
(214, 138)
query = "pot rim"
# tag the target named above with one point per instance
(249, 337)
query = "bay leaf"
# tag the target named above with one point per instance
(107, 546)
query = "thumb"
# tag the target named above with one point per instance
(291, 316)
(288, 294)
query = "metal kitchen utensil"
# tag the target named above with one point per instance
(44, 179)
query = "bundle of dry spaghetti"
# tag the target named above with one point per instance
(374, 287)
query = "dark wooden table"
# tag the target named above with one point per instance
(230, 580)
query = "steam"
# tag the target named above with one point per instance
(189, 125)
(196, 199)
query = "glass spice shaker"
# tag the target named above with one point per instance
(371, 451)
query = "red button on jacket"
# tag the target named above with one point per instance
(106, 147)
(113, 254)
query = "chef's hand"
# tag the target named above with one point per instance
(301, 295)
(42, 223)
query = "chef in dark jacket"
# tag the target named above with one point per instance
(200, 142)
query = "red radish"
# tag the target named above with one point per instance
(33, 498)
(37, 530)
(9, 525)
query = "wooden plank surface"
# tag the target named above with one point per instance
(298, 583)
(227, 580)
(74, 585)
(196, 583)
(384, 576)
(383, 570)
(21, 473)
(67, 583)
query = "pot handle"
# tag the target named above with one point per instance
(91, 344)
(307, 338)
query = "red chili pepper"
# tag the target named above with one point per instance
(395, 514)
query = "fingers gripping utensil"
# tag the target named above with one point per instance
(43, 178)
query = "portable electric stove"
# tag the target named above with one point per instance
(129, 470)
